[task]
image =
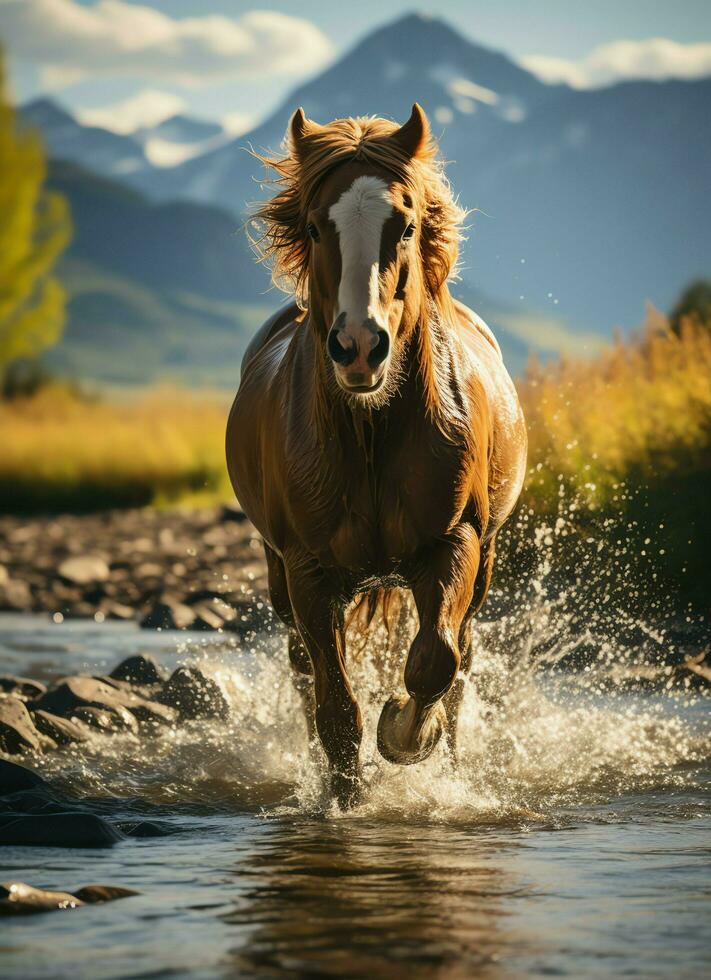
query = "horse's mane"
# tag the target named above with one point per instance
(283, 242)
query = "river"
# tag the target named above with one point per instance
(572, 839)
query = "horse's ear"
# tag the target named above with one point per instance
(298, 130)
(414, 135)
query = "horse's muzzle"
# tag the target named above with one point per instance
(359, 353)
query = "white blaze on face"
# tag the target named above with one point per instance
(359, 216)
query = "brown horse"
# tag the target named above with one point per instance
(376, 439)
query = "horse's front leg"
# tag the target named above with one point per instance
(318, 613)
(410, 727)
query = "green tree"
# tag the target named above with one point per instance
(694, 303)
(35, 227)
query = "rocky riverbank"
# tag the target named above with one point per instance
(200, 569)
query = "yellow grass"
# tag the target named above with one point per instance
(62, 451)
(639, 413)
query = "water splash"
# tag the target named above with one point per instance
(537, 740)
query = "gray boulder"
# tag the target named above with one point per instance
(74, 693)
(21, 687)
(73, 829)
(19, 898)
(17, 730)
(194, 695)
(139, 669)
(84, 570)
(62, 730)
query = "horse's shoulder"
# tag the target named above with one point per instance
(285, 316)
(470, 320)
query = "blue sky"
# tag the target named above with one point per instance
(119, 62)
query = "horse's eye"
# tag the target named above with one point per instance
(312, 232)
(408, 232)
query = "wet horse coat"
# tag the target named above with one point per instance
(376, 438)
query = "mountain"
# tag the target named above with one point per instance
(417, 57)
(179, 129)
(107, 153)
(586, 203)
(180, 244)
(155, 290)
(179, 138)
(125, 332)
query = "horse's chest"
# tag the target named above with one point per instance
(385, 518)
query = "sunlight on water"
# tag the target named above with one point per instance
(533, 745)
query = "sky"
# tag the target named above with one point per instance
(126, 63)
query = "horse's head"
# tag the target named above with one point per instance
(366, 230)
(365, 263)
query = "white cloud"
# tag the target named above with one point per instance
(655, 58)
(236, 123)
(69, 41)
(146, 108)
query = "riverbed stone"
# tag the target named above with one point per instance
(96, 894)
(74, 693)
(108, 720)
(15, 596)
(233, 512)
(15, 778)
(209, 616)
(84, 569)
(21, 687)
(17, 730)
(70, 829)
(62, 730)
(140, 669)
(194, 694)
(168, 614)
(19, 898)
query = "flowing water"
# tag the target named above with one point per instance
(572, 838)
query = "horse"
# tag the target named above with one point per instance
(376, 440)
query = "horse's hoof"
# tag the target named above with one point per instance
(346, 790)
(406, 736)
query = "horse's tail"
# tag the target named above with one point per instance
(386, 603)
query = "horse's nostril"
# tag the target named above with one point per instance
(381, 349)
(339, 353)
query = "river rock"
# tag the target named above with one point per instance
(140, 669)
(15, 778)
(19, 898)
(84, 570)
(194, 694)
(17, 731)
(168, 614)
(212, 615)
(71, 829)
(110, 721)
(15, 596)
(62, 730)
(21, 687)
(95, 894)
(232, 512)
(74, 693)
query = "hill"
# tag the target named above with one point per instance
(123, 332)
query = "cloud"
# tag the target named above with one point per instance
(655, 58)
(69, 41)
(236, 123)
(146, 108)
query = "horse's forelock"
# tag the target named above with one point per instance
(283, 241)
